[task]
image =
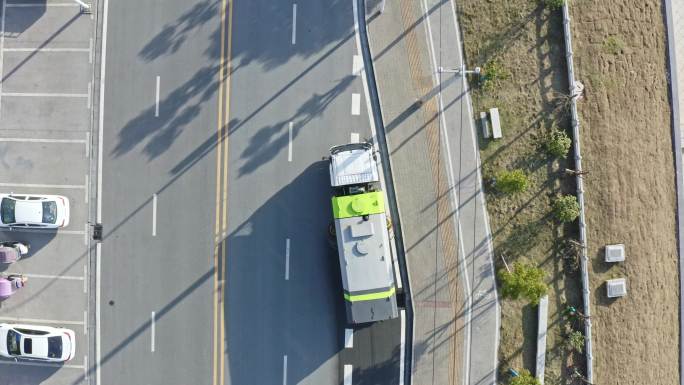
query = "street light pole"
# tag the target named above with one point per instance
(460, 71)
(84, 7)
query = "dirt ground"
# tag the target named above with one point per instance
(527, 40)
(620, 56)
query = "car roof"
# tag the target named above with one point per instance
(28, 212)
(39, 345)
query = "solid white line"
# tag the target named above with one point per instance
(27, 230)
(348, 370)
(43, 4)
(43, 364)
(33, 185)
(357, 65)
(87, 145)
(86, 188)
(289, 145)
(156, 99)
(355, 138)
(48, 276)
(2, 44)
(348, 338)
(98, 344)
(90, 94)
(34, 140)
(46, 49)
(152, 329)
(154, 215)
(40, 321)
(285, 369)
(287, 259)
(100, 140)
(402, 346)
(45, 94)
(294, 23)
(356, 104)
(85, 323)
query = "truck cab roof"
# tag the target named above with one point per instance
(352, 164)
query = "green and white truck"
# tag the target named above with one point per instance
(361, 231)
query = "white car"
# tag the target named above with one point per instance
(34, 211)
(33, 342)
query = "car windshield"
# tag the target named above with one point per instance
(13, 340)
(7, 210)
(54, 347)
(49, 212)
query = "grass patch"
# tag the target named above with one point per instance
(526, 40)
(613, 45)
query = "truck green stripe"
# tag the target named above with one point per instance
(370, 296)
(358, 205)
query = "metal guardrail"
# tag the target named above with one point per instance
(584, 260)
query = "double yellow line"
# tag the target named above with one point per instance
(219, 260)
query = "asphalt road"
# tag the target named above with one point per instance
(171, 155)
(285, 319)
(238, 177)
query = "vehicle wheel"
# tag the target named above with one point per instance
(401, 298)
(332, 235)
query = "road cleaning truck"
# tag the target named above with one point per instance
(362, 235)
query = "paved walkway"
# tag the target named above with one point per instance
(436, 174)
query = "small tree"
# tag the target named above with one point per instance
(558, 143)
(553, 4)
(575, 341)
(525, 280)
(565, 208)
(525, 378)
(510, 182)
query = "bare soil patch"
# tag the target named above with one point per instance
(620, 56)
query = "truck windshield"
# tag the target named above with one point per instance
(13, 341)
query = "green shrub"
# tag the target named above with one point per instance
(510, 182)
(524, 281)
(613, 45)
(525, 378)
(493, 72)
(558, 143)
(565, 208)
(575, 341)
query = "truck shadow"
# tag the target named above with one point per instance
(267, 316)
